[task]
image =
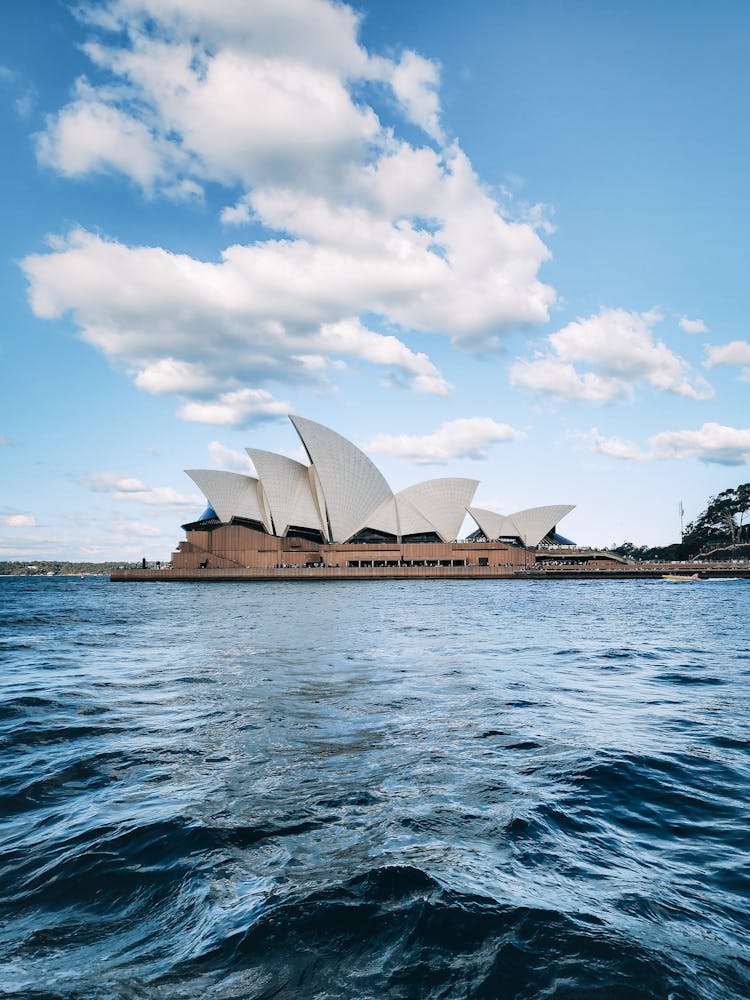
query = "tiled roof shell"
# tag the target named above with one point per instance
(342, 492)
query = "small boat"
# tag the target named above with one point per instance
(680, 577)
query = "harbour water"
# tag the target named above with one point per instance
(375, 789)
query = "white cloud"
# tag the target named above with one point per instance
(4, 442)
(232, 93)
(351, 339)
(735, 353)
(89, 136)
(168, 375)
(235, 408)
(238, 214)
(19, 521)
(271, 97)
(22, 547)
(127, 488)
(711, 443)
(692, 325)
(111, 482)
(549, 376)
(314, 31)
(620, 349)
(159, 496)
(227, 458)
(613, 447)
(124, 528)
(470, 437)
(415, 81)
(100, 534)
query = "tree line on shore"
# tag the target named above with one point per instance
(59, 567)
(721, 531)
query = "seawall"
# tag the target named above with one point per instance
(641, 571)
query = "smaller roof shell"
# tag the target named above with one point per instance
(536, 522)
(529, 525)
(442, 502)
(286, 485)
(494, 525)
(385, 518)
(231, 494)
(410, 520)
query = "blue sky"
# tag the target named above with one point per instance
(499, 240)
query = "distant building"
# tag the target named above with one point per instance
(340, 511)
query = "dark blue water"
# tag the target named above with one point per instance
(391, 789)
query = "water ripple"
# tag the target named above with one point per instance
(406, 790)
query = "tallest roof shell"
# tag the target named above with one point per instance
(353, 487)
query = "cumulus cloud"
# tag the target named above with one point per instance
(170, 375)
(238, 214)
(127, 488)
(712, 442)
(736, 353)
(89, 136)
(19, 521)
(552, 377)
(270, 100)
(235, 408)
(692, 325)
(227, 458)
(613, 447)
(415, 81)
(619, 349)
(470, 437)
(352, 339)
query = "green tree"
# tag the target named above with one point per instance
(725, 521)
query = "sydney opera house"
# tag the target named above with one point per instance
(339, 512)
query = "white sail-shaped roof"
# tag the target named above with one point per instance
(342, 493)
(494, 525)
(398, 517)
(529, 525)
(353, 487)
(442, 502)
(410, 521)
(230, 494)
(385, 518)
(533, 524)
(286, 485)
